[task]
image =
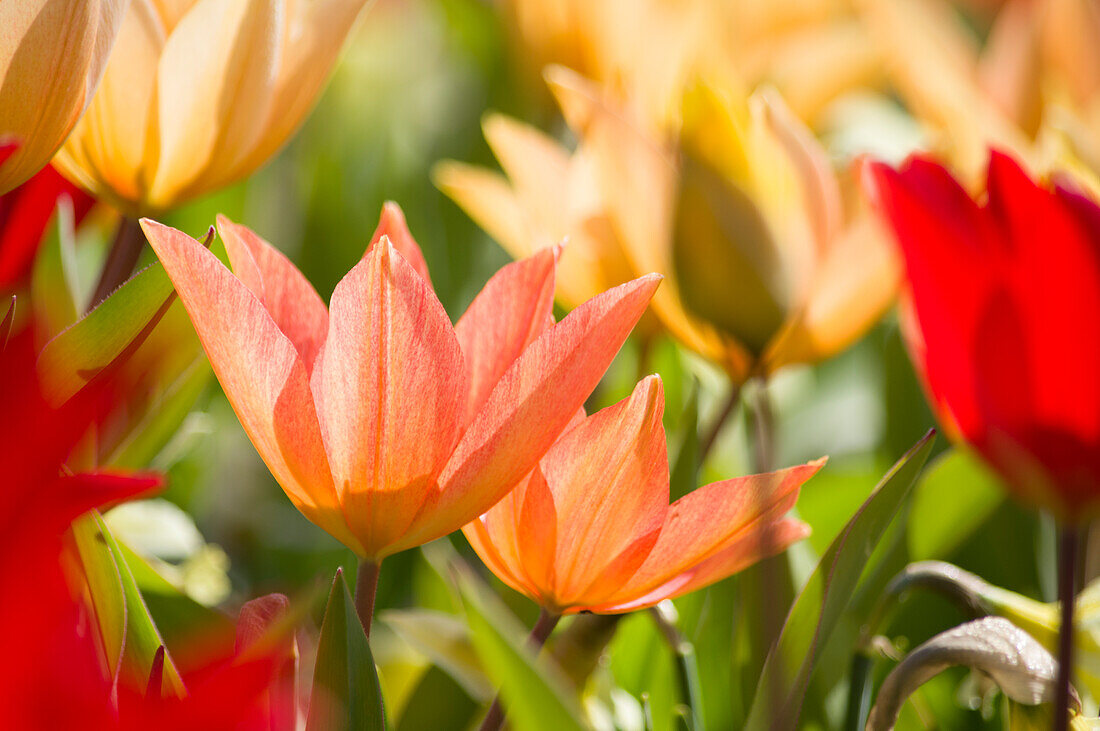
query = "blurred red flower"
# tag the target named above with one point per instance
(1005, 298)
(50, 676)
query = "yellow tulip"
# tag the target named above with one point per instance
(199, 93)
(742, 212)
(52, 54)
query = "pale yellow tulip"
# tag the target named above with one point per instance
(52, 54)
(199, 93)
(742, 211)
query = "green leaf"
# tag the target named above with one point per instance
(826, 596)
(346, 695)
(53, 279)
(438, 703)
(162, 418)
(953, 499)
(107, 334)
(446, 642)
(535, 692)
(129, 638)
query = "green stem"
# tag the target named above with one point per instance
(1068, 541)
(720, 419)
(121, 260)
(366, 587)
(687, 669)
(494, 719)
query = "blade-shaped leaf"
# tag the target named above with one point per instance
(438, 703)
(107, 334)
(535, 692)
(130, 640)
(346, 695)
(822, 602)
(944, 515)
(446, 641)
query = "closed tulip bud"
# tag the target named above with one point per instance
(52, 54)
(200, 93)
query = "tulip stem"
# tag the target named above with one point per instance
(764, 422)
(719, 422)
(121, 260)
(1069, 539)
(545, 624)
(366, 586)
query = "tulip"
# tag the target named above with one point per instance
(591, 528)
(52, 54)
(1005, 300)
(385, 425)
(743, 212)
(199, 93)
(1006, 304)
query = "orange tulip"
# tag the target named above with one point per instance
(592, 530)
(385, 425)
(52, 54)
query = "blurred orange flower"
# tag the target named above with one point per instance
(200, 93)
(385, 425)
(768, 263)
(591, 528)
(52, 54)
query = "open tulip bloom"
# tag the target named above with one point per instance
(591, 529)
(1005, 299)
(385, 425)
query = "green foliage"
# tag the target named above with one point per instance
(787, 671)
(346, 695)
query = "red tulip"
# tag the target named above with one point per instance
(385, 425)
(1006, 302)
(591, 529)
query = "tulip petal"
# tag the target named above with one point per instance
(741, 553)
(708, 520)
(289, 298)
(488, 199)
(107, 151)
(392, 225)
(215, 86)
(51, 57)
(312, 40)
(512, 309)
(393, 383)
(260, 372)
(609, 481)
(534, 401)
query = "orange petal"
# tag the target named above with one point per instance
(741, 553)
(609, 480)
(392, 380)
(260, 372)
(288, 297)
(392, 224)
(705, 521)
(514, 308)
(535, 399)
